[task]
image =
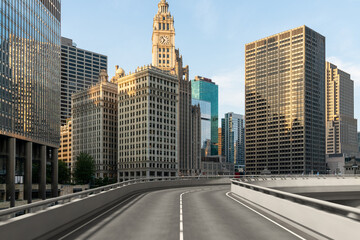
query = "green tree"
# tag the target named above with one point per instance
(84, 168)
(64, 173)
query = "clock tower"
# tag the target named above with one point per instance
(163, 38)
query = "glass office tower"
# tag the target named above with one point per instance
(206, 90)
(285, 103)
(29, 91)
(233, 135)
(205, 110)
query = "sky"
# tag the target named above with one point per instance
(211, 35)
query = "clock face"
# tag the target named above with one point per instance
(164, 40)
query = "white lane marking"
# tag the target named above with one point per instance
(227, 194)
(63, 237)
(181, 210)
(181, 217)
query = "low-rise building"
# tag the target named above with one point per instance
(216, 165)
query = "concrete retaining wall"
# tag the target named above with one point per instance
(54, 220)
(331, 225)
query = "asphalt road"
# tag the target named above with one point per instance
(204, 213)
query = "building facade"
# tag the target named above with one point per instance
(341, 127)
(163, 38)
(358, 142)
(220, 141)
(167, 58)
(65, 145)
(94, 126)
(233, 135)
(79, 70)
(206, 90)
(205, 109)
(29, 93)
(285, 103)
(147, 120)
(196, 131)
(217, 165)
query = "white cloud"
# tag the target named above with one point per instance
(231, 91)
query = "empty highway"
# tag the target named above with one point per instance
(184, 213)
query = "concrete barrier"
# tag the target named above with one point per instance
(330, 225)
(54, 220)
(295, 182)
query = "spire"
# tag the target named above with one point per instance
(163, 6)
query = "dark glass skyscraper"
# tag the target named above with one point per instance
(205, 112)
(29, 90)
(233, 135)
(30, 70)
(206, 90)
(79, 70)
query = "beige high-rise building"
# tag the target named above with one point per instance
(341, 127)
(166, 57)
(65, 144)
(285, 103)
(94, 125)
(147, 120)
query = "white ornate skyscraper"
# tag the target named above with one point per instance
(163, 38)
(166, 57)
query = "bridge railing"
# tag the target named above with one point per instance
(41, 205)
(349, 212)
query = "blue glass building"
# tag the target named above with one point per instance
(205, 109)
(206, 90)
(233, 136)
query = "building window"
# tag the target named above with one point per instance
(168, 50)
(159, 26)
(159, 55)
(168, 26)
(159, 61)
